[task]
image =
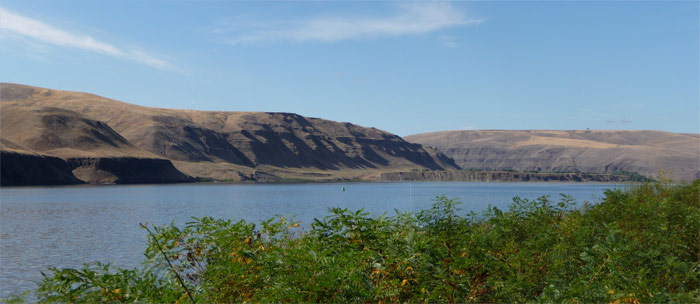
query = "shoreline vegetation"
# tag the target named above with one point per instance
(511, 176)
(638, 245)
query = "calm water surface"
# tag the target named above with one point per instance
(43, 227)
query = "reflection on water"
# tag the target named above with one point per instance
(43, 227)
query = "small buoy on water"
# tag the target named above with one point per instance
(343, 189)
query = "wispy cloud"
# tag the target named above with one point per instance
(42, 32)
(410, 19)
(448, 41)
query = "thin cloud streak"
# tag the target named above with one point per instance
(43, 32)
(448, 41)
(411, 19)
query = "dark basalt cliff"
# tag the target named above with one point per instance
(126, 170)
(21, 169)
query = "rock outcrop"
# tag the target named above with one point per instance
(26, 169)
(126, 170)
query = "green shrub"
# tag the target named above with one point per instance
(637, 245)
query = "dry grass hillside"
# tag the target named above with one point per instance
(220, 145)
(63, 133)
(599, 151)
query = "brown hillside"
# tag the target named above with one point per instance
(48, 146)
(63, 133)
(599, 151)
(219, 145)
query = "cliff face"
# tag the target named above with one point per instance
(126, 170)
(644, 152)
(276, 139)
(21, 169)
(499, 176)
(237, 146)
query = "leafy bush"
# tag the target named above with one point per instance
(637, 245)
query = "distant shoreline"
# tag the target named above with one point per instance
(414, 176)
(510, 176)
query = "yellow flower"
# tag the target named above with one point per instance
(404, 282)
(117, 290)
(464, 254)
(422, 290)
(261, 247)
(611, 291)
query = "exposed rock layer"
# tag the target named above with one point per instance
(21, 169)
(126, 170)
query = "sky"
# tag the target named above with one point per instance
(405, 67)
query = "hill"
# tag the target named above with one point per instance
(592, 151)
(52, 146)
(232, 146)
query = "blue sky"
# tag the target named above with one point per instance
(404, 67)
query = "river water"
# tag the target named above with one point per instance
(43, 227)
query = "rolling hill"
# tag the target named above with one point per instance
(593, 151)
(88, 130)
